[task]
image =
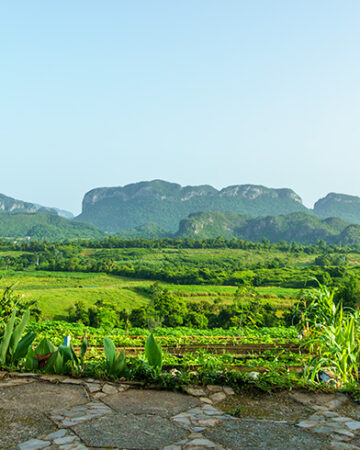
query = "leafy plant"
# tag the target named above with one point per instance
(13, 348)
(153, 353)
(115, 364)
(9, 301)
(63, 360)
(50, 359)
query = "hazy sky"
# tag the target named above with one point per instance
(105, 93)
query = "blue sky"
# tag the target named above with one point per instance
(195, 92)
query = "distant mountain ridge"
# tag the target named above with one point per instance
(347, 207)
(299, 227)
(121, 208)
(9, 204)
(157, 209)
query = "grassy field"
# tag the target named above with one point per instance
(199, 257)
(58, 291)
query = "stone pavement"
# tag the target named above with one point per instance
(54, 412)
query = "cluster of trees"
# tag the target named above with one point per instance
(219, 242)
(177, 243)
(330, 265)
(166, 309)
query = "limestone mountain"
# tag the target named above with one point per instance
(300, 227)
(115, 209)
(346, 207)
(9, 204)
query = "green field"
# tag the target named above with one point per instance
(200, 257)
(58, 291)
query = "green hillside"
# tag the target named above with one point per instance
(44, 226)
(147, 231)
(165, 204)
(346, 207)
(299, 227)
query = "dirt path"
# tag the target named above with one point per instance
(60, 413)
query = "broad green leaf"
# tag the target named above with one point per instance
(18, 332)
(23, 346)
(153, 353)
(45, 347)
(83, 348)
(119, 364)
(31, 362)
(110, 352)
(7, 337)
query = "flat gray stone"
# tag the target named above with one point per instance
(353, 425)
(328, 401)
(324, 429)
(206, 400)
(42, 396)
(129, 431)
(214, 388)
(217, 397)
(228, 390)
(33, 444)
(56, 434)
(196, 392)
(109, 389)
(330, 414)
(65, 440)
(241, 434)
(306, 424)
(202, 443)
(342, 445)
(92, 387)
(162, 403)
(20, 426)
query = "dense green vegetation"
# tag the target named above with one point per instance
(44, 226)
(147, 231)
(330, 342)
(200, 276)
(190, 305)
(299, 227)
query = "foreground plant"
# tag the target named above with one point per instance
(48, 358)
(14, 348)
(332, 334)
(153, 353)
(115, 364)
(338, 349)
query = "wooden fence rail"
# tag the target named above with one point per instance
(239, 349)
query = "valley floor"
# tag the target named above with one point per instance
(59, 291)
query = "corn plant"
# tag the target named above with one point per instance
(338, 349)
(153, 353)
(332, 334)
(13, 347)
(318, 308)
(115, 364)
